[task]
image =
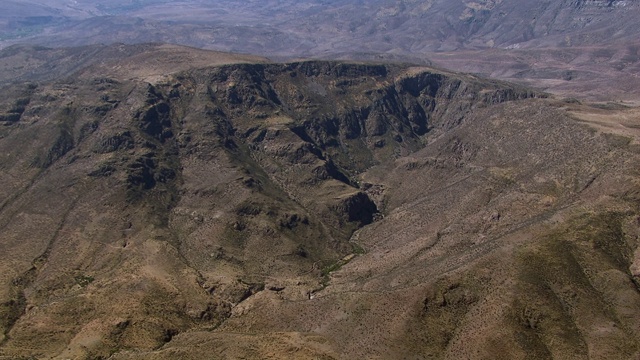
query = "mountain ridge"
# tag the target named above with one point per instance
(539, 44)
(462, 24)
(263, 210)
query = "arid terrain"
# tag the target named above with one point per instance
(578, 48)
(239, 208)
(319, 179)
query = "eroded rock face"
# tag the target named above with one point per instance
(225, 173)
(226, 198)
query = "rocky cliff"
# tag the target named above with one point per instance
(310, 209)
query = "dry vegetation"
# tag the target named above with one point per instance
(310, 210)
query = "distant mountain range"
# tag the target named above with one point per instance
(313, 28)
(509, 39)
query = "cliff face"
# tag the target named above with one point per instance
(133, 211)
(321, 209)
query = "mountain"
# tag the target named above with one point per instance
(380, 26)
(569, 47)
(164, 202)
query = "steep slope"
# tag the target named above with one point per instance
(514, 235)
(212, 210)
(139, 206)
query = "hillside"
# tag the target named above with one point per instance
(381, 26)
(579, 48)
(310, 209)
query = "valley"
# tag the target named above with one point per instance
(315, 209)
(319, 179)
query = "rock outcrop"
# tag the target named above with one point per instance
(334, 208)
